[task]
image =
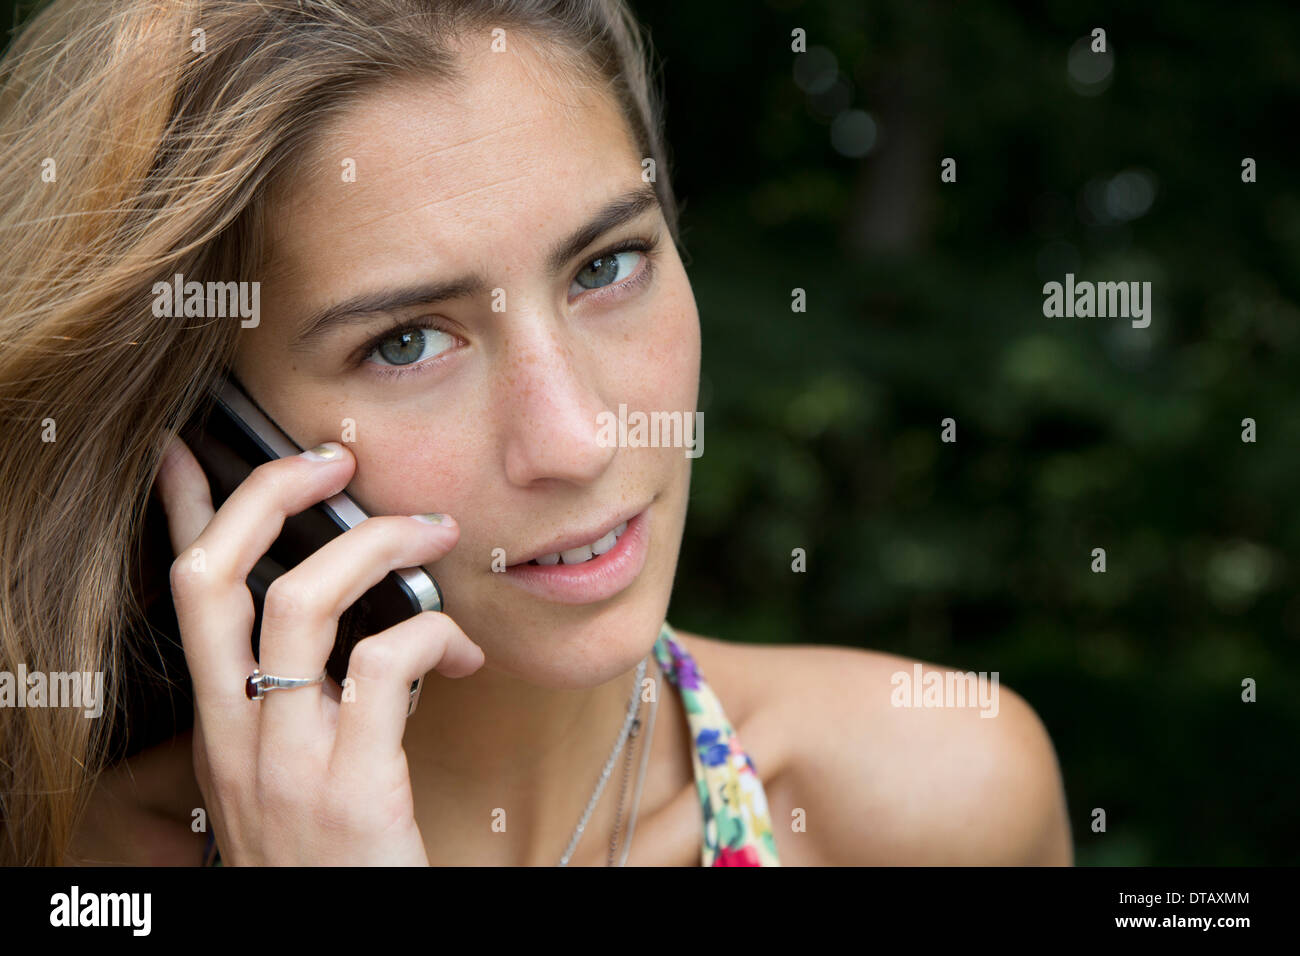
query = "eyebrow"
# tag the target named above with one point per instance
(614, 213)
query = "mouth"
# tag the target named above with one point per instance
(580, 546)
(583, 552)
(589, 566)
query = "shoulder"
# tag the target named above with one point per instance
(140, 812)
(872, 758)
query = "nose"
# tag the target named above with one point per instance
(550, 404)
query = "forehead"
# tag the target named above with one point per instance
(515, 148)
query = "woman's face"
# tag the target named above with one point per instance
(490, 411)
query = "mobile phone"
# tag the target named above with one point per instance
(230, 436)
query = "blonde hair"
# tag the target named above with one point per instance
(127, 156)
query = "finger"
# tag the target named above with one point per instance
(212, 590)
(183, 490)
(372, 714)
(302, 609)
(213, 636)
(249, 521)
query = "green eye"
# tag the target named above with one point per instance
(607, 269)
(408, 346)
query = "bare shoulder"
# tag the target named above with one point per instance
(870, 758)
(141, 812)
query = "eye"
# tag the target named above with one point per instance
(606, 269)
(410, 344)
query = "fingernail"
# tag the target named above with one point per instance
(325, 452)
(432, 518)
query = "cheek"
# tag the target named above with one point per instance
(666, 356)
(409, 464)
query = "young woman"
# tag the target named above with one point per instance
(465, 245)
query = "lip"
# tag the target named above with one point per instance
(577, 539)
(596, 580)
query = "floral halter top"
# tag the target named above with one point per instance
(737, 825)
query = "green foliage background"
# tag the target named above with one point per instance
(925, 302)
(822, 429)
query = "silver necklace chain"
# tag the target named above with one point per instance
(632, 706)
(644, 734)
(622, 790)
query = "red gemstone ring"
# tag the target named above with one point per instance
(257, 684)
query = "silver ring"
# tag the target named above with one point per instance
(257, 684)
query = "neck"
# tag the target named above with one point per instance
(502, 770)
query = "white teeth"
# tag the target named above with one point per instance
(604, 544)
(577, 555)
(586, 552)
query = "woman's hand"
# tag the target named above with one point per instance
(301, 778)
